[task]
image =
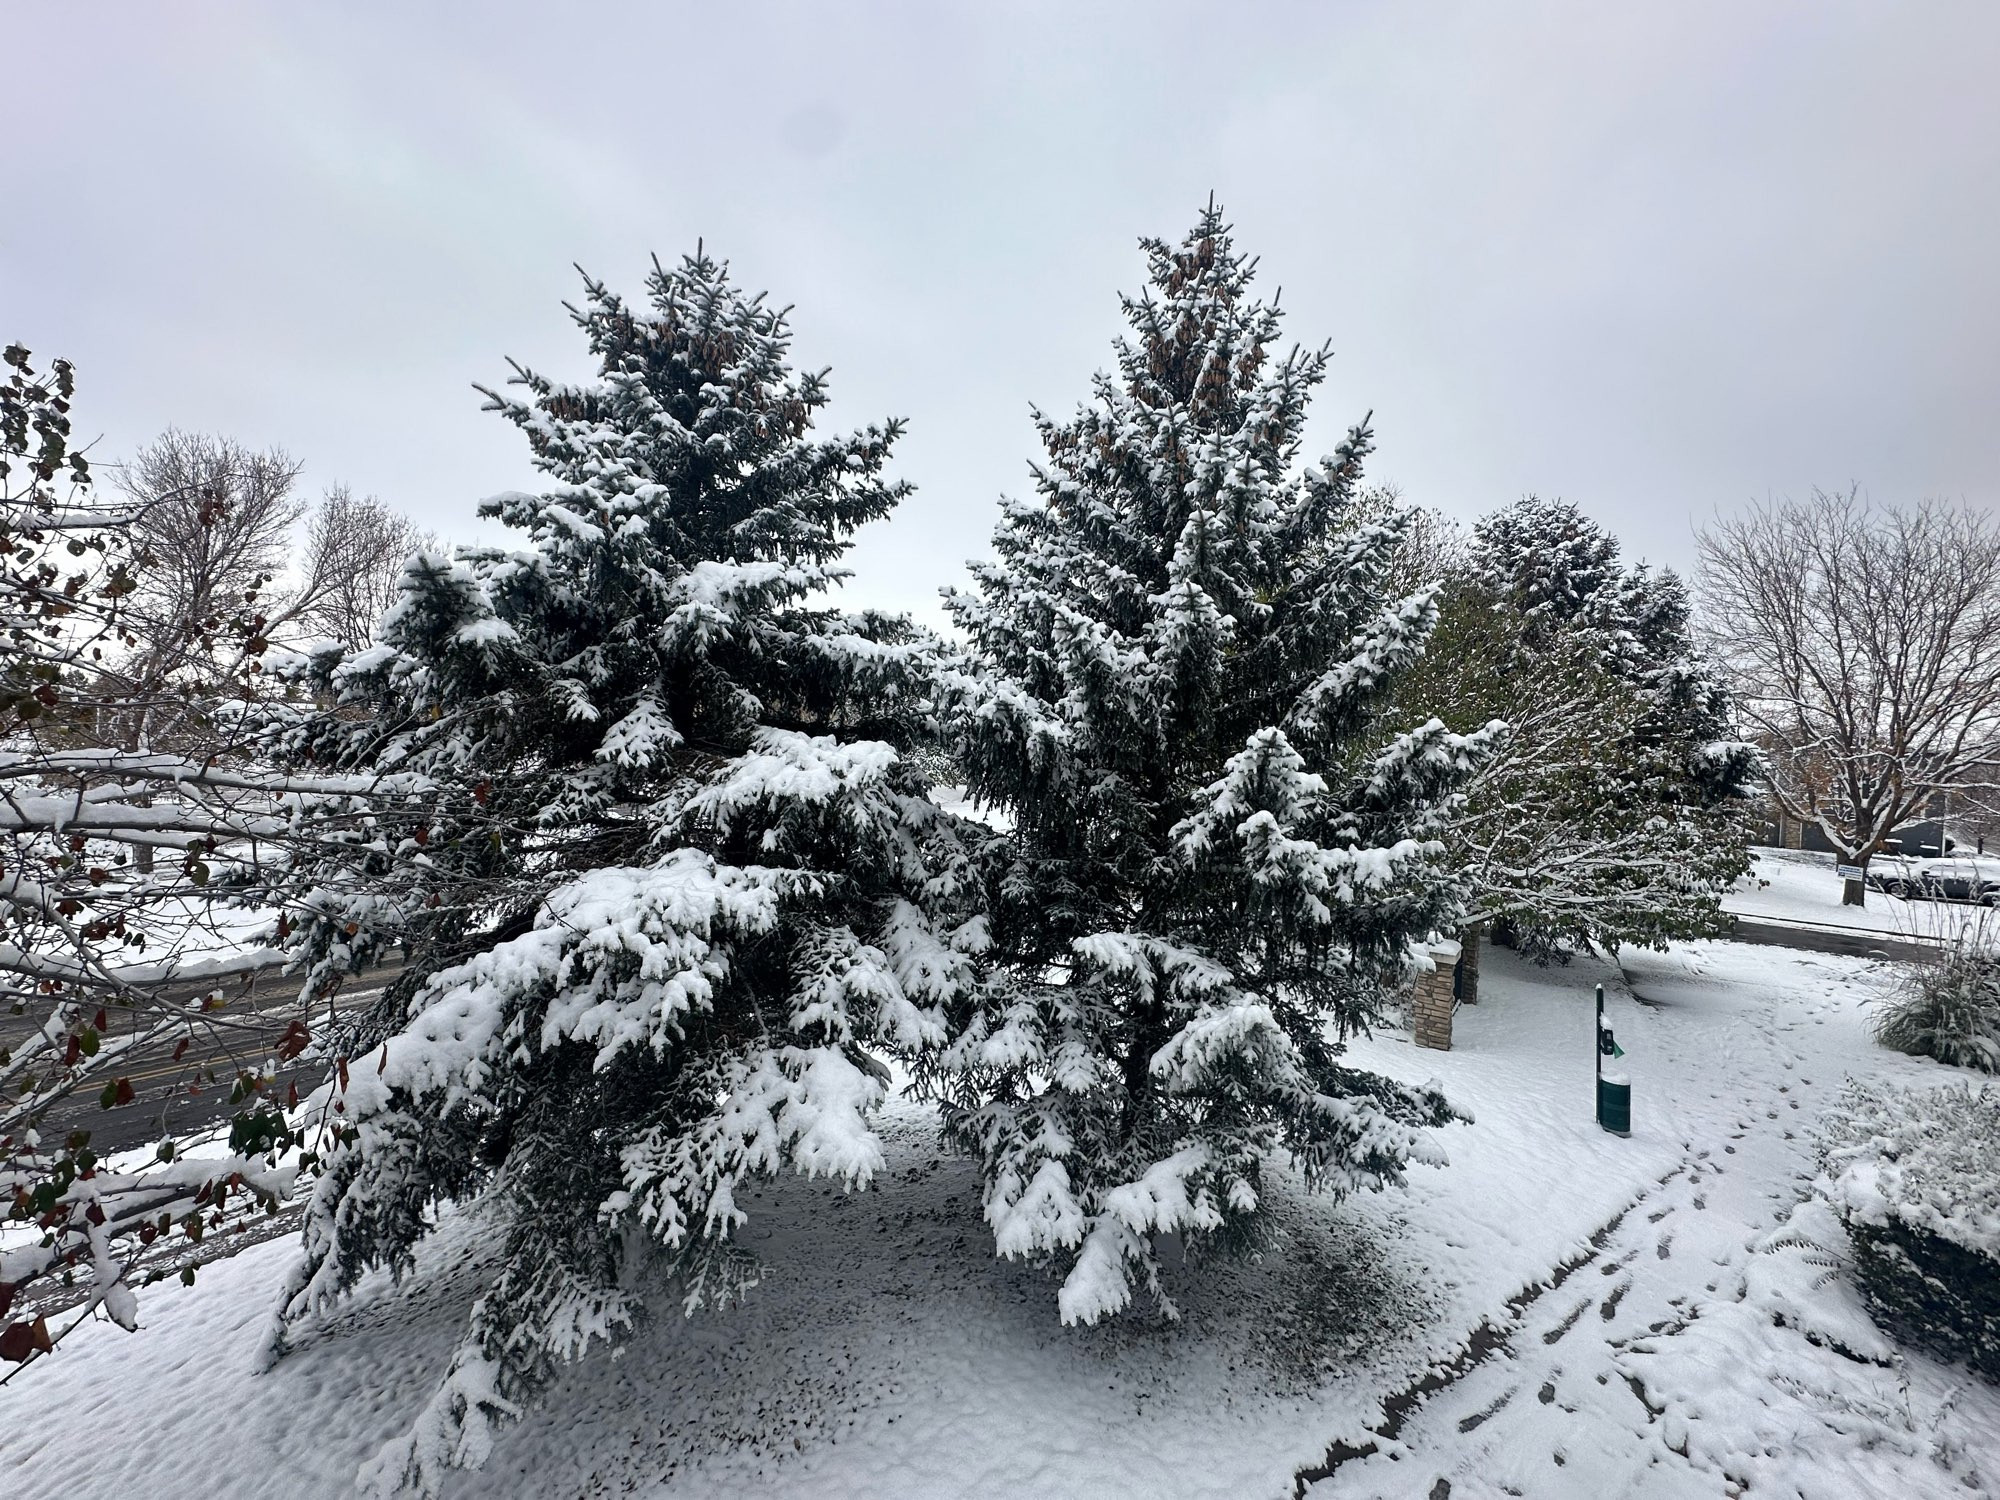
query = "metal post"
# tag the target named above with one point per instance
(1597, 1058)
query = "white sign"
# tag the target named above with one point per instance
(1848, 872)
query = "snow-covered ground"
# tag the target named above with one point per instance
(888, 1356)
(1790, 885)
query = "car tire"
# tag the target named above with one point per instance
(1898, 888)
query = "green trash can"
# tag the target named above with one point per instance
(1614, 1103)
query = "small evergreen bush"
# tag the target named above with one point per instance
(1915, 1178)
(1948, 1008)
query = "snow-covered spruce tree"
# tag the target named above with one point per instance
(1552, 563)
(1211, 878)
(1562, 574)
(669, 881)
(1578, 832)
(1613, 813)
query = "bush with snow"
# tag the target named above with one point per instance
(1948, 1007)
(1915, 1178)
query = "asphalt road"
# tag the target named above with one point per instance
(178, 1097)
(1851, 942)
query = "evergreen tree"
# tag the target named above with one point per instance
(1561, 572)
(1688, 711)
(1613, 812)
(665, 879)
(1212, 878)
(1551, 562)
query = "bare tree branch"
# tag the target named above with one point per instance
(1864, 647)
(353, 564)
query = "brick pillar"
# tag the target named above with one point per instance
(1471, 938)
(1431, 1005)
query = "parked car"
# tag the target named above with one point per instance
(1965, 877)
(1897, 875)
(1955, 877)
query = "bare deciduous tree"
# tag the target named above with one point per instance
(215, 529)
(90, 930)
(1433, 546)
(1864, 647)
(120, 855)
(353, 564)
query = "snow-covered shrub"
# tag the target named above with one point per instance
(1948, 1007)
(671, 890)
(1915, 1177)
(1218, 858)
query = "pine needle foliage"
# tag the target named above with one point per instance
(1615, 811)
(668, 886)
(1214, 876)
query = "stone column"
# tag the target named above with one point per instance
(1471, 937)
(1431, 1005)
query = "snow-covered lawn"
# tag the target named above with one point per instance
(1791, 885)
(887, 1355)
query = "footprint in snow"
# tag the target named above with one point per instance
(1610, 1308)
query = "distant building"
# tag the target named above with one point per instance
(1932, 837)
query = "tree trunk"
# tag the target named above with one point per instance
(1855, 892)
(142, 854)
(1468, 961)
(138, 737)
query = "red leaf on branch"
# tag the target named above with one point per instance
(295, 1040)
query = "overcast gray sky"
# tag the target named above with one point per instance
(1657, 260)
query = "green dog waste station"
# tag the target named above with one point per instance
(1614, 1090)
